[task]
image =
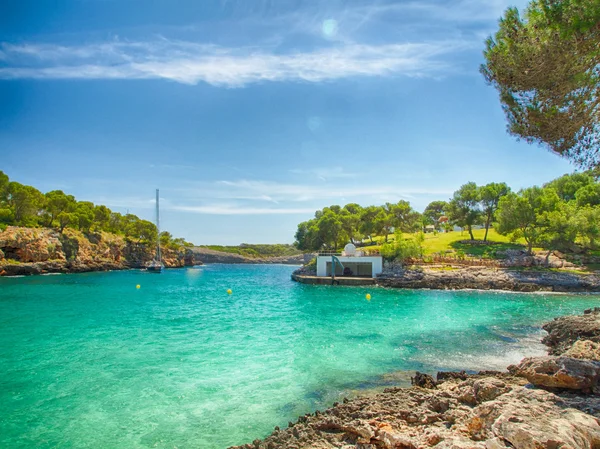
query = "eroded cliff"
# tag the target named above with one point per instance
(26, 251)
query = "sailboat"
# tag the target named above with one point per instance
(156, 265)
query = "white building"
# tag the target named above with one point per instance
(350, 259)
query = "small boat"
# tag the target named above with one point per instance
(156, 265)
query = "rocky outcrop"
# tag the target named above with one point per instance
(40, 250)
(482, 278)
(479, 412)
(542, 403)
(206, 255)
(564, 331)
(559, 372)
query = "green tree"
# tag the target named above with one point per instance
(330, 228)
(165, 238)
(351, 221)
(25, 203)
(463, 208)
(116, 223)
(405, 218)
(67, 220)
(567, 185)
(307, 236)
(4, 181)
(545, 67)
(102, 218)
(559, 224)
(588, 225)
(142, 230)
(368, 217)
(6, 216)
(526, 214)
(434, 211)
(55, 203)
(588, 195)
(350, 218)
(489, 196)
(385, 221)
(85, 215)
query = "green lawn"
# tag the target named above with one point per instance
(449, 243)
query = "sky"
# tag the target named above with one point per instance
(250, 115)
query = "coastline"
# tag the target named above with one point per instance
(543, 402)
(480, 278)
(34, 251)
(502, 279)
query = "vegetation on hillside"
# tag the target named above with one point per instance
(564, 214)
(257, 251)
(545, 67)
(23, 205)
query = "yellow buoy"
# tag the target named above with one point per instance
(137, 286)
(368, 296)
(229, 292)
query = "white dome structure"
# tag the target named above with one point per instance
(350, 249)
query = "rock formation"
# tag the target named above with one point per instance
(26, 251)
(483, 278)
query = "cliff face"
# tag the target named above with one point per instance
(40, 250)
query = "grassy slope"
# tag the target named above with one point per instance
(449, 242)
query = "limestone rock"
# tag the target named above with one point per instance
(559, 372)
(584, 349)
(489, 389)
(563, 332)
(40, 250)
(532, 419)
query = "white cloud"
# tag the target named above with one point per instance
(283, 192)
(191, 63)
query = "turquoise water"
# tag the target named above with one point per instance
(88, 361)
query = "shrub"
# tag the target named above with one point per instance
(402, 249)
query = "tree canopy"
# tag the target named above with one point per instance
(334, 226)
(23, 205)
(545, 67)
(563, 214)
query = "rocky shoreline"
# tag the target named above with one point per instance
(30, 251)
(486, 278)
(542, 403)
(460, 277)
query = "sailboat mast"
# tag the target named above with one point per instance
(157, 229)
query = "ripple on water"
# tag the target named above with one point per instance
(90, 361)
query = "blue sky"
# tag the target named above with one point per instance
(250, 115)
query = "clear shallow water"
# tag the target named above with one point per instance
(88, 361)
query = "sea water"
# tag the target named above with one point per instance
(89, 361)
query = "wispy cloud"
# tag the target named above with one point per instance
(284, 192)
(191, 63)
(242, 210)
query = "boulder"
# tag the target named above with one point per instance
(559, 372)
